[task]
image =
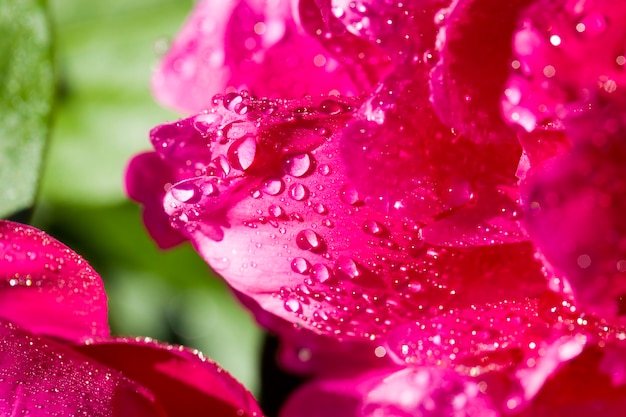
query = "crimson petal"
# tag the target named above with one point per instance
(40, 377)
(184, 381)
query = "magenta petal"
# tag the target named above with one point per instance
(47, 288)
(275, 215)
(39, 377)
(227, 46)
(408, 164)
(146, 176)
(411, 392)
(184, 381)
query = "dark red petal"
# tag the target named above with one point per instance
(47, 288)
(581, 388)
(474, 50)
(39, 377)
(184, 382)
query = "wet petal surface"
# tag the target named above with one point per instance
(40, 377)
(184, 381)
(47, 288)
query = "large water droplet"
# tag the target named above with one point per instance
(375, 228)
(203, 123)
(301, 266)
(307, 239)
(350, 195)
(299, 165)
(241, 153)
(293, 305)
(186, 192)
(298, 192)
(347, 268)
(273, 186)
(321, 273)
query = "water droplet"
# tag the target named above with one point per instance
(322, 131)
(204, 122)
(298, 192)
(276, 211)
(321, 273)
(299, 165)
(222, 163)
(307, 239)
(241, 153)
(319, 208)
(325, 169)
(350, 195)
(301, 266)
(346, 268)
(231, 101)
(375, 228)
(273, 186)
(293, 305)
(331, 107)
(186, 192)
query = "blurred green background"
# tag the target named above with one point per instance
(105, 52)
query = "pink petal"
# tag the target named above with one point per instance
(146, 175)
(283, 225)
(244, 44)
(474, 50)
(47, 288)
(40, 377)
(418, 392)
(184, 382)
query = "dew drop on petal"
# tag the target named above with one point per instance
(350, 195)
(321, 273)
(293, 305)
(346, 268)
(298, 192)
(374, 228)
(186, 192)
(273, 186)
(301, 266)
(307, 239)
(241, 153)
(299, 165)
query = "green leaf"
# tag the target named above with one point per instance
(26, 94)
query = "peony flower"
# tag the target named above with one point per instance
(410, 214)
(58, 359)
